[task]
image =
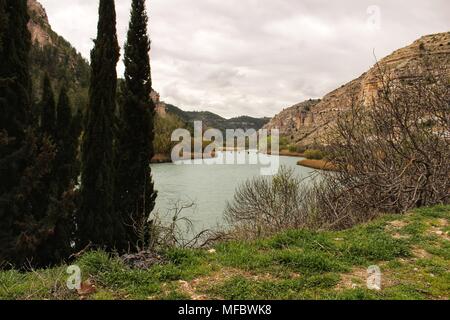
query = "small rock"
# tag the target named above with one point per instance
(212, 251)
(143, 260)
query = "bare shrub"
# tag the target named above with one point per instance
(263, 206)
(393, 154)
(173, 229)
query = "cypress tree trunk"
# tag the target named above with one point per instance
(97, 222)
(135, 194)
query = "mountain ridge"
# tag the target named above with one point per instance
(53, 55)
(309, 127)
(209, 119)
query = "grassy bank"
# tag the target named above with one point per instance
(413, 252)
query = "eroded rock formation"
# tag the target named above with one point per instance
(309, 122)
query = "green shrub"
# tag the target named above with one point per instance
(164, 126)
(314, 154)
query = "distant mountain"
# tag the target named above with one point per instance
(212, 120)
(209, 119)
(309, 122)
(54, 55)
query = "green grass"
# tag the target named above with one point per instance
(413, 252)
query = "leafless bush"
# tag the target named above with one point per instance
(392, 154)
(263, 206)
(158, 232)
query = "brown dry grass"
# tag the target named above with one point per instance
(317, 164)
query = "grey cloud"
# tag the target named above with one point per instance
(257, 57)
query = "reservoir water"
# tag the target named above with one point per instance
(208, 186)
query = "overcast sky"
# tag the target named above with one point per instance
(257, 57)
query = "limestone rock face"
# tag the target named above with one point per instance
(292, 121)
(53, 55)
(306, 127)
(39, 25)
(160, 106)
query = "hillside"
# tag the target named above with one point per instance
(412, 252)
(212, 120)
(54, 55)
(308, 122)
(209, 119)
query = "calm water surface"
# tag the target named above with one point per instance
(208, 186)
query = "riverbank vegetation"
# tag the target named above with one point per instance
(411, 250)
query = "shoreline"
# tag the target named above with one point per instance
(166, 158)
(317, 164)
(287, 153)
(160, 158)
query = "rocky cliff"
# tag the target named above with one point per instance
(54, 55)
(39, 25)
(308, 122)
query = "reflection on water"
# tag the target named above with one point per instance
(209, 186)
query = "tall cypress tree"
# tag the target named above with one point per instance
(60, 210)
(14, 69)
(48, 109)
(97, 222)
(135, 194)
(25, 158)
(14, 108)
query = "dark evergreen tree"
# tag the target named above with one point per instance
(25, 158)
(62, 180)
(14, 70)
(135, 194)
(97, 223)
(75, 130)
(48, 109)
(14, 107)
(67, 144)
(3, 21)
(35, 229)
